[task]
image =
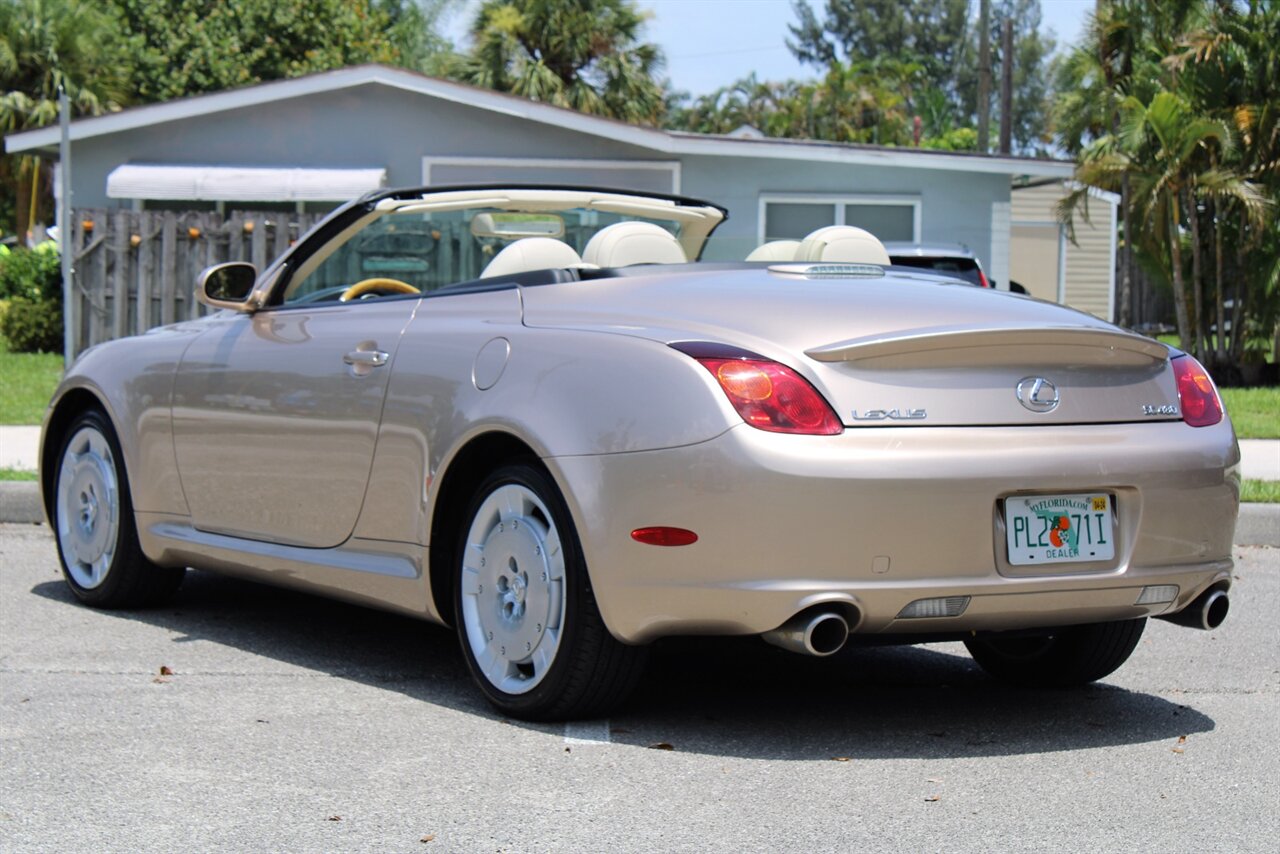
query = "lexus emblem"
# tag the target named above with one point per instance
(1038, 394)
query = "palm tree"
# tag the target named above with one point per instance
(1172, 157)
(1229, 65)
(1119, 56)
(581, 54)
(47, 45)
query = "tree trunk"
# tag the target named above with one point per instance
(1196, 314)
(1186, 337)
(1126, 258)
(1242, 292)
(1220, 340)
(22, 204)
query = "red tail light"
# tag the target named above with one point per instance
(767, 395)
(982, 279)
(1201, 406)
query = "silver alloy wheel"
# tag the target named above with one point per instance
(513, 589)
(87, 507)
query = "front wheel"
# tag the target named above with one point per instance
(526, 615)
(1061, 658)
(93, 520)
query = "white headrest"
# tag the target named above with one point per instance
(531, 253)
(843, 243)
(775, 250)
(626, 243)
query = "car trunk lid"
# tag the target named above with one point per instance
(891, 350)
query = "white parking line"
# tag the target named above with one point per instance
(586, 732)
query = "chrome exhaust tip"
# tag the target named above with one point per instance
(1213, 611)
(820, 634)
(1206, 613)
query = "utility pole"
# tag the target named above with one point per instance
(984, 76)
(70, 317)
(1006, 88)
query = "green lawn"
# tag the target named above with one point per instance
(16, 474)
(27, 381)
(1255, 412)
(1261, 491)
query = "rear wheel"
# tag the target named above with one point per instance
(1062, 658)
(526, 615)
(93, 519)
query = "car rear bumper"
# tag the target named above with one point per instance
(875, 519)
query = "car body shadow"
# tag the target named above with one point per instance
(716, 696)
(739, 697)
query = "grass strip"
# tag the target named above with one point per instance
(27, 381)
(1260, 491)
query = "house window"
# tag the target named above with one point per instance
(794, 217)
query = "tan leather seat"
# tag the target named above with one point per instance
(531, 253)
(625, 243)
(843, 243)
(775, 250)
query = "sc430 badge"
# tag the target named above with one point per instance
(1162, 409)
(886, 414)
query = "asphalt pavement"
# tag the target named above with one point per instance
(244, 718)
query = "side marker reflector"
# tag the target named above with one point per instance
(662, 535)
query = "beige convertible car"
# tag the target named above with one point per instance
(531, 413)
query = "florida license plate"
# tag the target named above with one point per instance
(1048, 529)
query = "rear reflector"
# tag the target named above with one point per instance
(948, 606)
(1157, 594)
(1201, 406)
(661, 535)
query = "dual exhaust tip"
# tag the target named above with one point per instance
(823, 633)
(819, 633)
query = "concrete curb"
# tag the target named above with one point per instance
(1259, 524)
(20, 502)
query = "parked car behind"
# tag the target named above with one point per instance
(948, 258)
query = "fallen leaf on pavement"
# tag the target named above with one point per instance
(934, 780)
(428, 837)
(840, 758)
(662, 745)
(335, 818)
(165, 670)
(933, 798)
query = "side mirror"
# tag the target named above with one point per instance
(228, 286)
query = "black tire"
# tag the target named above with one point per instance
(1061, 658)
(588, 672)
(94, 526)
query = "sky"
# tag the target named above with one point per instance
(712, 43)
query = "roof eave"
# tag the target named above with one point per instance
(674, 143)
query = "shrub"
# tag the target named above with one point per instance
(33, 274)
(32, 326)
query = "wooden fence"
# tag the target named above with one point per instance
(137, 269)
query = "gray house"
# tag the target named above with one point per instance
(313, 141)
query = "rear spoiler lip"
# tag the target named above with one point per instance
(958, 337)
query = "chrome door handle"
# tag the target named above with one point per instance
(366, 358)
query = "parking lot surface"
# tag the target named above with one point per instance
(283, 722)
